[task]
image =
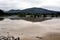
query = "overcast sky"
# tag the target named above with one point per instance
(23, 4)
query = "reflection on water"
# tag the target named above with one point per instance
(37, 19)
(1, 19)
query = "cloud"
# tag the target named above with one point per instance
(34, 2)
(18, 4)
(23, 4)
(55, 8)
(51, 3)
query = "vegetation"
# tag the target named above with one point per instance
(24, 14)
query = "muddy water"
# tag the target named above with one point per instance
(29, 30)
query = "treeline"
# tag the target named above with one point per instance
(23, 14)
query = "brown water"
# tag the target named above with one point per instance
(29, 30)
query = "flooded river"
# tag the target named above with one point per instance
(29, 30)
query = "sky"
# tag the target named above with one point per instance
(23, 4)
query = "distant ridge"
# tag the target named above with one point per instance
(36, 10)
(32, 10)
(13, 11)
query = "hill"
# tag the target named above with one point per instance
(33, 10)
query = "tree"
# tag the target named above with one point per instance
(44, 15)
(1, 12)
